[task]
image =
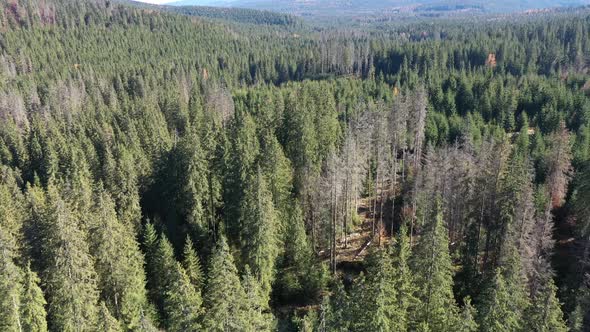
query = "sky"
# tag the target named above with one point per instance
(158, 2)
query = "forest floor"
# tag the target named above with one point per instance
(351, 253)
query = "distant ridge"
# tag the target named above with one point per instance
(340, 7)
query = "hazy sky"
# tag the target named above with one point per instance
(156, 1)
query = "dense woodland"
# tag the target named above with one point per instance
(169, 171)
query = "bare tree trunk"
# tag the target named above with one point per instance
(381, 228)
(393, 187)
(346, 213)
(334, 217)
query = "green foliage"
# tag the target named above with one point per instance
(545, 312)
(226, 308)
(119, 264)
(436, 309)
(248, 130)
(106, 322)
(192, 265)
(70, 277)
(10, 285)
(496, 310)
(32, 310)
(259, 231)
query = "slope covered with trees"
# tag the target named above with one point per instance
(169, 172)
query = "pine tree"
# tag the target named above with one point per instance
(433, 271)
(224, 295)
(259, 228)
(192, 264)
(32, 310)
(119, 263)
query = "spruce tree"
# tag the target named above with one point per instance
(182, 303)
(10, 285)
(301, 274)
(259, 228)
(504, 300)
(32, 310)
(544, 314)
(433, 271)
(403, 280)
(467, 318)
(259, 313)
(382, 308)
(70, 277)
(495, 311)
(106, 322)
(191, 165)
(178, 300)
(224, 295)
(336, 314)
(192, 265)
(119, 263)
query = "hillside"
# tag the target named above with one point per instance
(184, 169)
(384, 7)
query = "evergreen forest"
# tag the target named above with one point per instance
(219, 170)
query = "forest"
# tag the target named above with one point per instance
(202, 169)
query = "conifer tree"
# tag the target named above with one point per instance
(178, 300)
(504, 299)
(192, 265)
(301, 275)
(182, 302)
(436, 309)
(383, 306)
(403, 280)
(150, 245)
(336, 314)
(106, 322)
(544, 314)
(192, 166)
(70, 276)
(224, 295)
(119, 263)
(467, 318)
(496, 312)
(579, 320)
(277, 169)
(258, 310)
(32, 310)
(240, 162)
(358, 301)
(10, 285)
(259, 231)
